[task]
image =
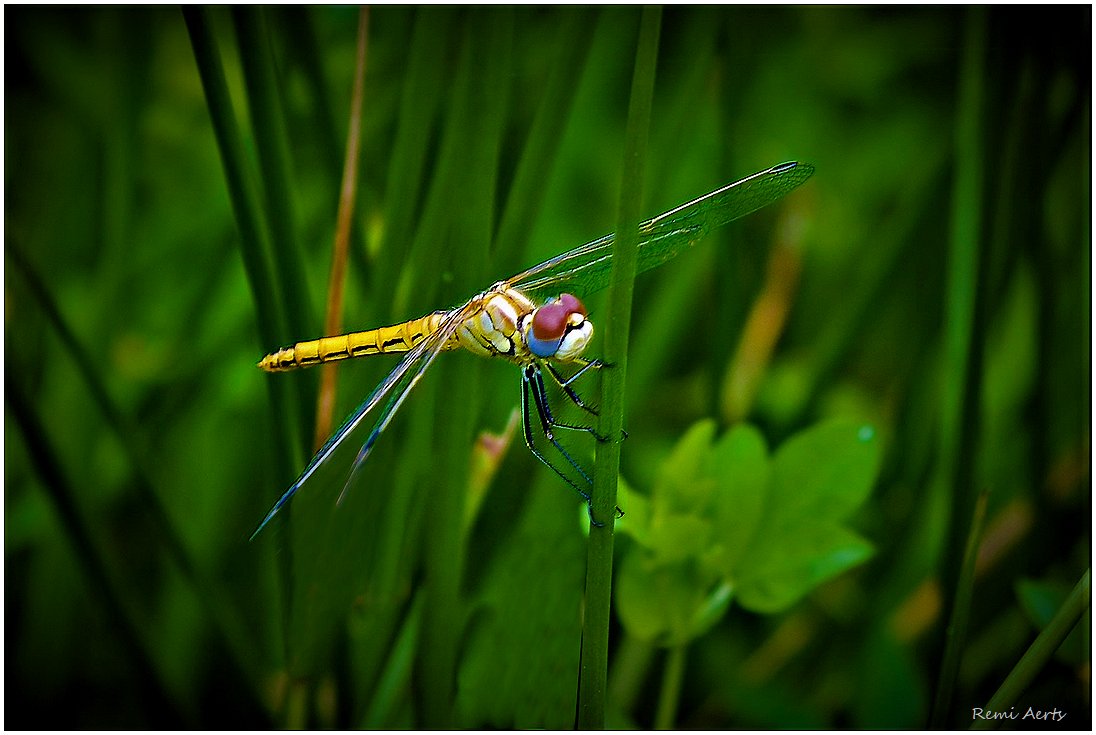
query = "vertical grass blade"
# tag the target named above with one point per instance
(270, 320)
(962, 348)
(672, 678)
(960, 610)
(423, 89)
(272, 146)
(599, 565)
(475, 127)
(542, 144)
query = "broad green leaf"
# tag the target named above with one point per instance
(768, 530)
(823, 473)
(740, 465)
(680, 487)
(665, 604)
(678, 537)
(782, 568)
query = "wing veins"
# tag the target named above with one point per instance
(684, 224)
(424, 352)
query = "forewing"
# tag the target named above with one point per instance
(586, 268)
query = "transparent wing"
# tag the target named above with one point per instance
(396, 386)
(586, 268)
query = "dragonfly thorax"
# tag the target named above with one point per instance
(510, 325)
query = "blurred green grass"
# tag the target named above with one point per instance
(142, 448)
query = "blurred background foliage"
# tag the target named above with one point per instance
(932, 281)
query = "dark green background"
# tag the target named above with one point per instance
(141, 446)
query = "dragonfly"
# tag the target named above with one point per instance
(505, 321)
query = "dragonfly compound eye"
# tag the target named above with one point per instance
(572, 304)
(550, 322)
(557, 325)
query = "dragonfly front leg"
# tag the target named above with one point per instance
(565, 385)
(537, 385)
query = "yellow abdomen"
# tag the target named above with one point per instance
(384, 340)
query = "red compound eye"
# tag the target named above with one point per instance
(550, 321)
(572, 304)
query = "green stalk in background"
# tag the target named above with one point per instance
(669, 695)
(272, 145)
(421, 95)
(962, 345)
(267, 119)
(540, 152)
(270, 319)
(1040, 651)
(599, 564)
(960, 611)
(476, 111)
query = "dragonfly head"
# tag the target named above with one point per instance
(559, 329)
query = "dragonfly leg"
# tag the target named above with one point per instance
(537, 385)
(533, 385)
(586, 365)
(565, 385)
(527, 428)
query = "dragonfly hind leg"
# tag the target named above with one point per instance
(532, 385)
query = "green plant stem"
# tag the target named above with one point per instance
(631, 663)
(297, 26)
(962, 345)
(1040, 651)
(475, 127)
(526, 195)
(960, 611)
(599, 564)
(270, 320)
(394, 679)
(407, 224)
(272, 146)
(672, 678)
